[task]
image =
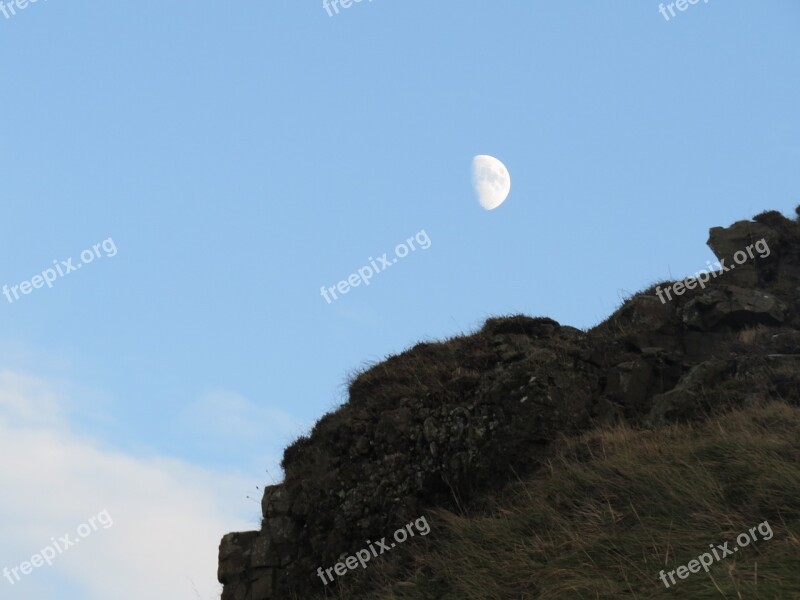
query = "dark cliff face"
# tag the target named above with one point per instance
(441, 423)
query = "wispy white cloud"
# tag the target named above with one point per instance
(168, 515)
(25, 399)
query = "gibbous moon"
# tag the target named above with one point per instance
(491, 181)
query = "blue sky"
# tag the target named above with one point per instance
(241, 156)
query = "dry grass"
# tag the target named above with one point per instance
(615, 507)
(753, 335)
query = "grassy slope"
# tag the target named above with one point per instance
(615, 507)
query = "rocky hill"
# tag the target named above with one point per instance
(442, 424)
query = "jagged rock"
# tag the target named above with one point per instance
(733, 306)
(674, 404)
(727, 241)
(787, 343)
(275, 501)
(242, 568)
(685, 399)
(629, 382)
(442, 423)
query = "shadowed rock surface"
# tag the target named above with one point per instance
(443, 422)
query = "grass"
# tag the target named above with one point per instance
(611, 510)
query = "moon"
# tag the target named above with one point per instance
(491, 181)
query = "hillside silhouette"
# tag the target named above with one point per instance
(553, 462)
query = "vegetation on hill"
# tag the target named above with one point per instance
(553, 462)
(614, 508)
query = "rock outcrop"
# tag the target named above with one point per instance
(443, 422)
